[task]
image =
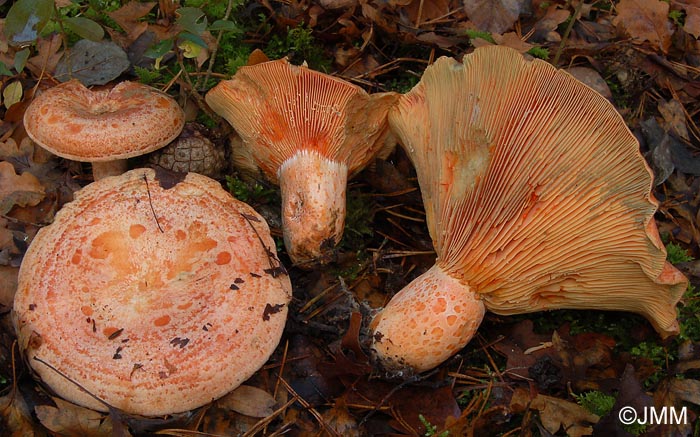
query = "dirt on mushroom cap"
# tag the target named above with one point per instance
(104, 124)
(154, 300)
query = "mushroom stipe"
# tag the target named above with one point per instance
(116, 294)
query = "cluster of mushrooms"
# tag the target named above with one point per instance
(155, 292)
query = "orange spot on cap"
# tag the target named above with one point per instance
(223, 258)
(77, 256)
(87, 310)
(184, 306)
(135, 231)
(74, 128)
(109, 331)
(162, 320)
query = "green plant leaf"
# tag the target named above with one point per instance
(193, 39)
(26, 18)
(20, 60)
(192, 20)
(12, 94)
(224, 25)
(4, 71)
(158, 50)
(85, 28)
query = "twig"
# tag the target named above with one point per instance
(212, 57)
(565, 37)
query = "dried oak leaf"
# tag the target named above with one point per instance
(129, 16)
(47, 57)
(557, 413)
(493, 16)
(22, 190)
(645, 20)
(248, 400)
(692, 21)
(15, 417)
(71, 420)
(8, 286)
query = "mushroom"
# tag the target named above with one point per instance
(537, 198)
(309, 132)
(103, 126)
(154, 293)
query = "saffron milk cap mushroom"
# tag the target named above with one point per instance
(156, 294)
(103, 126)
(537, 198)
(309, 132)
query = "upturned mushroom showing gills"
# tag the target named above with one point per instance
(308, 132)
(537, 198)
(104, 126)
(154, 294)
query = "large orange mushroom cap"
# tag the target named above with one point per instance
(309, 132)
(156, 295)
(104, 125)
(537, 198)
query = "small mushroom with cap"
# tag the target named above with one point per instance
(155, 293)
(537, 198)
(308, 132)
(103, 126)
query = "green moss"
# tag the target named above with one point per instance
(147, 76)
(676, 254)
(249, 192)
(359, 214)
(300, 44)
(539, 52)
(677, 16)
(402, 84)
(474, 34)
(596, 402)
(430, 429)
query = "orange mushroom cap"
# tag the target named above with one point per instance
(301, 124)
(155, 294)
(104, 124)
(537, 198)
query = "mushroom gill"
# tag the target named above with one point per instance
(537, 198)
(309, 132)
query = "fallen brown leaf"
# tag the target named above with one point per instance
(22, 190)
(646, 20)
(15, 416)
(129, 16)
(557, 413)
(8, 286)
(248, 400)
(47, 56)
(70, 420)
(495, 16)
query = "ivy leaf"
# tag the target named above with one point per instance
(225, 25)
(26, 18)
(21, 60)
(192, 20)
(4, 71)
(195, 39)
(85, 28)
(159, 50)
